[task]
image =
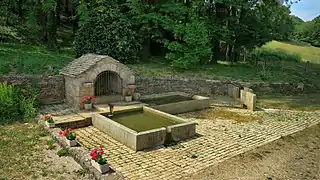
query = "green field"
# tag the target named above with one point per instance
(307, 52)
(288, 72)
(27, 59)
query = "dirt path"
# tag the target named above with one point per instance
(295, 157)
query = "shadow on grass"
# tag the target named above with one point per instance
(297, 43)
(305, 102)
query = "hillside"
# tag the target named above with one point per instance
(26, 59)
(307, 52)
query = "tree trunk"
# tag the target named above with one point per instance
(228, 53)
(58, 10)
(52, 30)
(215, 52)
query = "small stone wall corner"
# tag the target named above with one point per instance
(248, 98)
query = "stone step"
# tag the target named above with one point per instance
(118, 106)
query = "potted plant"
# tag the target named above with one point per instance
(87, 102)
(128, 96)
(49, 120)
(98, 161)
(70, 137)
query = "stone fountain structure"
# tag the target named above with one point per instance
(96, 75)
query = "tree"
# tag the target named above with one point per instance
(308, 31)
(104, 29)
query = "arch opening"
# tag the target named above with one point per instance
(108, 83)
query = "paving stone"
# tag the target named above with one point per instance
(213, 146)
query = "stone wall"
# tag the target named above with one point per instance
(284, 88)
(213, 88)
(51, 88)
(200, 87)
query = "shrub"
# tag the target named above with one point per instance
(108, 32)
(8, 109)
(17, 103)
(8, 34)
(63, 152)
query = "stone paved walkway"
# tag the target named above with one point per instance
(218, 140)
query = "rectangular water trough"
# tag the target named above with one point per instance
(143, 127)
(176, 102)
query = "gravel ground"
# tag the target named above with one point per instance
(295, 157)
(65, 167)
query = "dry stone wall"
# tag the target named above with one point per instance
(51, 88)
(217, 87)
(200, 87)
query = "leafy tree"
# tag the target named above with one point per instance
(104, 29)
(308, 32)
(191, 45)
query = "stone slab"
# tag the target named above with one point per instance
(251, 100)
(183, 131)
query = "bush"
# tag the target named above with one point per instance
(8, 34)
(17, 103)
(108, 32)
(191, 46)
(63, 152)
(273, 56)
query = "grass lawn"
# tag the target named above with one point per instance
(27, 59)
(291, 71)
(307, 52)
(19, 146)
(244, 72)
(304, 102)
(25, 154)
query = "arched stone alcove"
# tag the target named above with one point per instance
(92, 73)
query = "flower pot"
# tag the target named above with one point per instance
(50, 125)
(71, 143)
(101, 168)
(136, 96)
(128, 98)
(87, 106)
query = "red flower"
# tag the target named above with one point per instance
(24, 90)
(69, 129)
(92, 153)
(101, 152)
(64, 133)
(60, 133)
(94, 157)
(51, 114)
(100, 146)
(46, 116)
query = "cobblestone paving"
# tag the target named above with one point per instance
(217, 141)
